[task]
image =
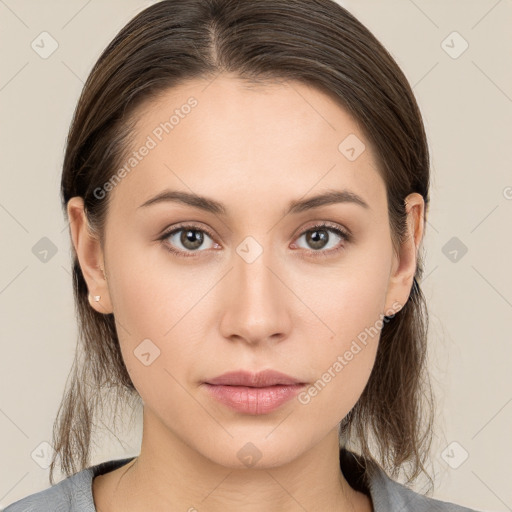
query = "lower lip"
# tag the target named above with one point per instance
(253, 400)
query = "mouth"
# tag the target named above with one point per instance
(253, 393)
(261, 379)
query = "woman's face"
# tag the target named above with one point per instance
(254, 285)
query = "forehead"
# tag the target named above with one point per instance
(242, 142)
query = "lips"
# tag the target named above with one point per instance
(261, 379)
(253, 393)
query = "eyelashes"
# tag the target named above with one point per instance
(185, 229)
(339, 232)
(189, 234)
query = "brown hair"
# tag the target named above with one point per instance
(316, 42)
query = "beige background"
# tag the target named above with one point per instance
(467, 106)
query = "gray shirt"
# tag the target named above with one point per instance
(74, 493)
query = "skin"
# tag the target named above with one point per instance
(254, 149)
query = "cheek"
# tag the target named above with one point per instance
(350, 306)
(349, 298)
(148, 293)
(156, 307)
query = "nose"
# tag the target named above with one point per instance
(257, 300)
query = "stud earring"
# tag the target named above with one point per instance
(97, 298)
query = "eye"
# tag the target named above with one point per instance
(186, 240)
(191, 238)
(318, 237)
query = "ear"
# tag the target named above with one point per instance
(404, 265)
(90, 256)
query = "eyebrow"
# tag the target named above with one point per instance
(294, 207)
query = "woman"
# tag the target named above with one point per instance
(247, 184)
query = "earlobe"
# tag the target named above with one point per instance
(90, 256)
(404, 266)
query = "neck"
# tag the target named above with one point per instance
(171, 474)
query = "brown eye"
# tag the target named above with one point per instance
(191, 238)
(186, 240)
(324, 239)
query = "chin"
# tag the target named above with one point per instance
(257, 450)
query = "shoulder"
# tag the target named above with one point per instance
(73, 494)
(391, 495)
(387, 494)
(57, 498)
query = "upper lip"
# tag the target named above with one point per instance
(257, 380)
